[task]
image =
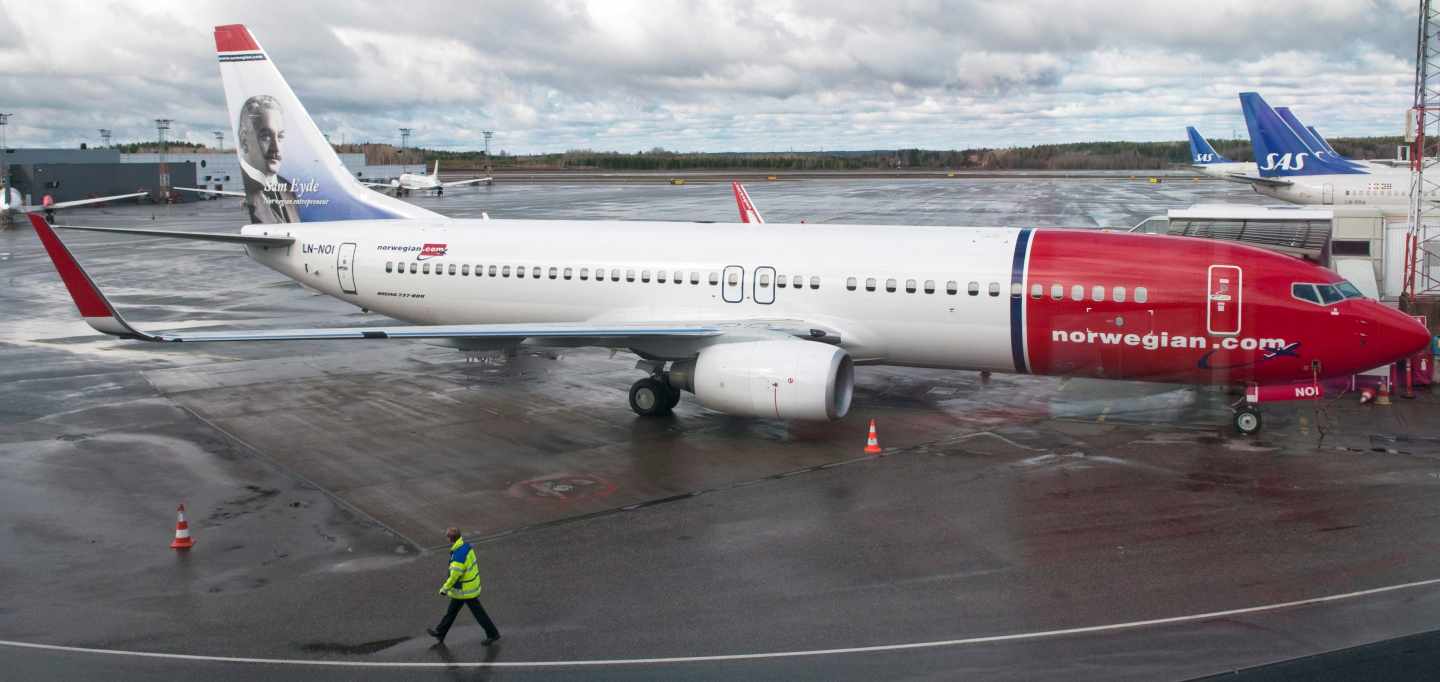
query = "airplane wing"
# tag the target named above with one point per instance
(466, 182)
(385, 185)
(1250, 179)
(201, 190)
(83, 202)
(102, 315)
(259, 240)
(748, 212)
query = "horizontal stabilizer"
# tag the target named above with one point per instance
(261, 240)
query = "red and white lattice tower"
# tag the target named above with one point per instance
(1422, 241)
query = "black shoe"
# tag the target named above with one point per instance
(435, 633)
(492, 640)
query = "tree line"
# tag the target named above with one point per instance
(1108, 155)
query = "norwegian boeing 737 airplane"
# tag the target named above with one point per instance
(770, 320)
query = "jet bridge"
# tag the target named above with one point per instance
(1352, 240)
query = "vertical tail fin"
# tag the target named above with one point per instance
(436, 172)
(1309, 138)
(1324, 142)
(291, 172)
(1279, 151)
(1201, 153)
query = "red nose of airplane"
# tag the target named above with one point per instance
(1394, 335)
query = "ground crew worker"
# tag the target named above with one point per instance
(463, 589)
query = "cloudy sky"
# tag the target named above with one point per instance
(717, 76)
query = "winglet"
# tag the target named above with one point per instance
(93, 305)
(748, 212)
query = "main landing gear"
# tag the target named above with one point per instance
(1247, 419)
(653, 397)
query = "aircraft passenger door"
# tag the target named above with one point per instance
(1222, 310)
(732, 284)
(1327, 195)
(764, 283)
(345, 267)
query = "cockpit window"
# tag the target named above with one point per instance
(1328, 294)
(1325, 294)
(1305, 292)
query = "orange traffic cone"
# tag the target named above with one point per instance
(182, 531)
(872, 444)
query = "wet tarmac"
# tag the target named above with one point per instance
(1017, 528)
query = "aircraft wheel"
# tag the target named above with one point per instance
(1247, 420)
(650, 398)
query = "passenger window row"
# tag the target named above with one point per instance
(1078, 292)
(911, 286)
(781, 281)
(536, 272)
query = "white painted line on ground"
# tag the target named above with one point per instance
(732, 657)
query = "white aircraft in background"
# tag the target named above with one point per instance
(769, 321)
(1291, 169)
(420, 182)
(11, 203)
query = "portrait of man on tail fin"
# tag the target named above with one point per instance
(259, 133)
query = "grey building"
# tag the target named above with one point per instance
(69, 181)
(69, 174)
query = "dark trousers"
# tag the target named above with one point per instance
(480, 617)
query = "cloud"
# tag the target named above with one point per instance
(714, 75)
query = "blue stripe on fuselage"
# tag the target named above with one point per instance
(1017, 301)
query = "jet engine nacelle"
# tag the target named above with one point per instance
(785, 379)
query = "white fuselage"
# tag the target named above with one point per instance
(1384, 188)
(1225, 170)
(728, 274)
(416, 181)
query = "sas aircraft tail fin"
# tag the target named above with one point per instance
(1201, 153)
(1279, 150)
(1323, 142)
(291, 172)
(1310, 139)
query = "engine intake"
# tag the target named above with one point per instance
(782, 379)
